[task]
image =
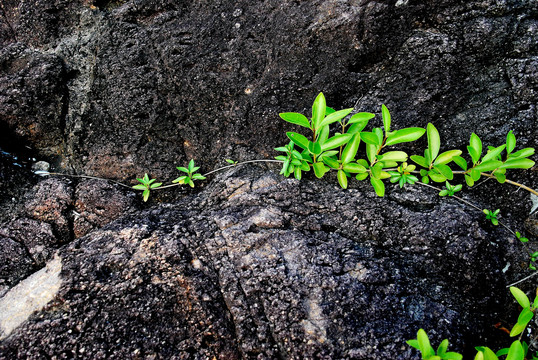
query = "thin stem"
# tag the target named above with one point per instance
(46, 173)
(524, 279)
(454, 196)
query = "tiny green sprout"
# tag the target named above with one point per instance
(146, 185)
(492, 215)
(521, 238)
(230, 161)
(450, 189)
(190, 170)
(534, 257)
(403, 175)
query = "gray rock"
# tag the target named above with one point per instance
(236, 272)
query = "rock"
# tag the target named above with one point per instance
(233, 273)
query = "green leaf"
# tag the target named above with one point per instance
(323, 134)
(298, 139)
(475, 174)
(445, 170)
(349, 152)
(488, 166)
(361, 117)
(520, 163)
(357, 127)
(379, 188)
(198, 177)
(520, 297)
(361, 176)
(452, 356)
(191, 166)
(318, 111)
(461, 162)
(493, 153)
(331, 163)
(476, 145)
(295, 118)
(230, 161)
(524, 317)
(298, 173)
(386, 119)
(140, 187)
(420, 160)
(434, 141)
(314, 148)
(335, 141)
(334, 117)
(510, 142)
(424, 343)
(487, 353)
(370, 138)
(183, 169)
(145, 195)
(413, 343)
(502, 352)
(329, 110)
(156, 185)
(399, 156)
(319, 169)
(522, 153)
(404, 135)
(371, 151)
(443, 346)
(354, 168)
(446, 157)
(342, 179)
(516, 351)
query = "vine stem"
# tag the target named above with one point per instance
(46, 173)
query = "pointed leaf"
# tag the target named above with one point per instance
(349, 152)
(354, 168)
(522, 153)
(434, 141)
(493, 153)
(413, 343)
(443, 346)
(361, 117)
(420, 160)
(323, 134)
(446, 157)
(357, 127)
(371, 151)
(461, 162)
(487, 353)
(342, 179)
(370, 138)
(424, 344)
(335, 141)
(445, 170)
(379, 188)
(476, 144)
(488, 166)
(520, 163)
(510, 142)
(331, 162)
(399, 156)
(295, 118)
(516, 351)
(298, 139)
(520, 297)
(319, 169)
(404, 135)
(318, 111)
(386, 119)
(140, 187)
(334, 117)
(183, 169)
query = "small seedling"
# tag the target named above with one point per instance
(188, 179)
(492, 215)
(403, 175)
(146, 185)
(450, 189)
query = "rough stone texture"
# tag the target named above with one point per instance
(254, 264)
(257, 266)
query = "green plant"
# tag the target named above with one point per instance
(492, 216)
(450, 190)
(518, 350)
(146, 185)
(422, 343)
(188, 179)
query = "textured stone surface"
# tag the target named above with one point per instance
(257, 266)
(254, 265)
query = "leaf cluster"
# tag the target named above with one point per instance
(146, 185)
(337, 149)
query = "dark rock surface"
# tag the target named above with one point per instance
(254, 265)
(258, 266)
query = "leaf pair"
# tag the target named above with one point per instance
(422, 343)
(190, 170)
